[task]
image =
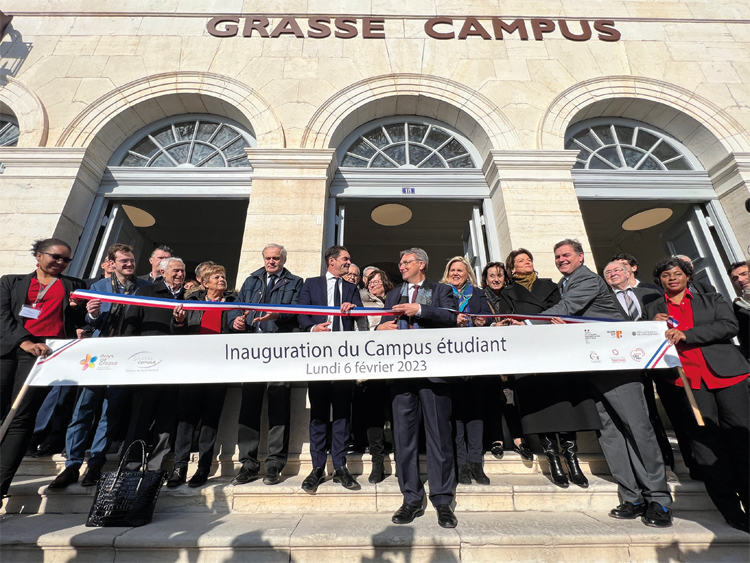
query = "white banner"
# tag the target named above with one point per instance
(302, 356)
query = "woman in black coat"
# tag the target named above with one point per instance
(551, 405)
(701, 326)
(467, 393)
(33, 307)
(200, 401)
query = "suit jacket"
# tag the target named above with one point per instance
(715, 326)
(286, 291)
(150, 321)
(643, 293)
(315, 292)
(743, 317)
(585, 295)
(13, 291)
(105, 286)
(433, 315)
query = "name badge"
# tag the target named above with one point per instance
(30, 313)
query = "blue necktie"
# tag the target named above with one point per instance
(337, 304)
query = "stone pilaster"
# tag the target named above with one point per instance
(731, 180)
(535, 203)
(287, 206)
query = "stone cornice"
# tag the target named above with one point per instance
(541, 165)
(42, 157)
(731, 173)
(282, 163)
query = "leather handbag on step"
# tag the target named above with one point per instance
(126, 498)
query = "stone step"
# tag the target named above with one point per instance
(303, 538)
(506, 493)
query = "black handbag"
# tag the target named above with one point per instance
(126, 498)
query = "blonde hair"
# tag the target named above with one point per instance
(469, 269)
(211, 269)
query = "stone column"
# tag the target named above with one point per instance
(535, 203)
(731, 180)
(287, 206)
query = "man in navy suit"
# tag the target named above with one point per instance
(422, 304)
(332, 290)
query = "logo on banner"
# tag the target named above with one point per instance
(645, 333)
(594, 358)
(590, 336)
(89, 362)
(637, 354)
(615, 333)
(615, 357)
(144, 361)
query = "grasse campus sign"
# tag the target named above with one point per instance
(348, 27)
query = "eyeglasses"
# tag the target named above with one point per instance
(59, 257)
(610, 272)
(375, 281)
(407, 262)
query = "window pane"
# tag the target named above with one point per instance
(416, 132)
(146, 147)
(185, 130)
(349, 160)
(200, 152)
(239, 162)
(650, 164)
(598, 164)
(205, 130)
(436, 138)
(215, 162)
(362, 148)
(396, 132)
(381, 162)
(10, 133)
(433, 162)
(224, 135)
(377, 137)
(624, 134)
(645, 140)
(586, 138)
(632, 156)
(417, 154)
(463, 162)
(578, 165)
(454, 148)
(604, 132)
(236, 149)
(664, 151)
(397, 153)
(132, 160)
(678, 164)
(180, 153)
(162, 161)
(610, 154)
(164, 136)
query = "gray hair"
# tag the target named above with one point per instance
(274, 245)
(164, 264)
(419, 253)
(573, 243)
(202, 265)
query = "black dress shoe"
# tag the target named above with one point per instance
(92, 476)
(524, 451)
(245, 475)
(628, 511)
(200, 477)
(407, 513)
(67, 477)
(497, 450)
(316, 477)
(657, 516)
(446, 518)
(464, 475)
(179, 476)
(343, 476)
(478, 473)
(273, 475)
(378, 472)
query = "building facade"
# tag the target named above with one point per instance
(467, 128)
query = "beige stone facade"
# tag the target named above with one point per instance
(81, 76)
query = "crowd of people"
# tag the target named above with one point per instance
(460, 417)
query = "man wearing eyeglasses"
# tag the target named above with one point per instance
(106, 319)
(422, 304)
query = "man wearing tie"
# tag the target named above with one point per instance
(422, 304)
(332, 290)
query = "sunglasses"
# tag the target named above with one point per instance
(59, 257)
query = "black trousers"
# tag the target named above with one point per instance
(248, 431)
(721, 447)
(497, 407)
(368, 416)
(153, 419)
(412, 400)
(204, 403)
(468, 396)
(15, 366)
(324, 396)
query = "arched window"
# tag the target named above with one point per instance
(620, 144)
(187, 142)
(9, 132)
(410, 143)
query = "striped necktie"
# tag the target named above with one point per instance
(630, 305)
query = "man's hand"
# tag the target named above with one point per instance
(37, 349)
(346, 307)
(239, 323)
(179, 314)
(408, 309)
(661, 317)
(675, 336)
(93, 307)
(462, 320)
(264, 318)
(557, 321)
(322, 327)
(388, 325)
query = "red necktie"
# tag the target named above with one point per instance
(414, 294)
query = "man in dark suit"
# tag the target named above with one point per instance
(739, 273)
(272, 283)
(159, 254)
(627, 437)
(332, 290)
(631, 263)
(422, 304)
